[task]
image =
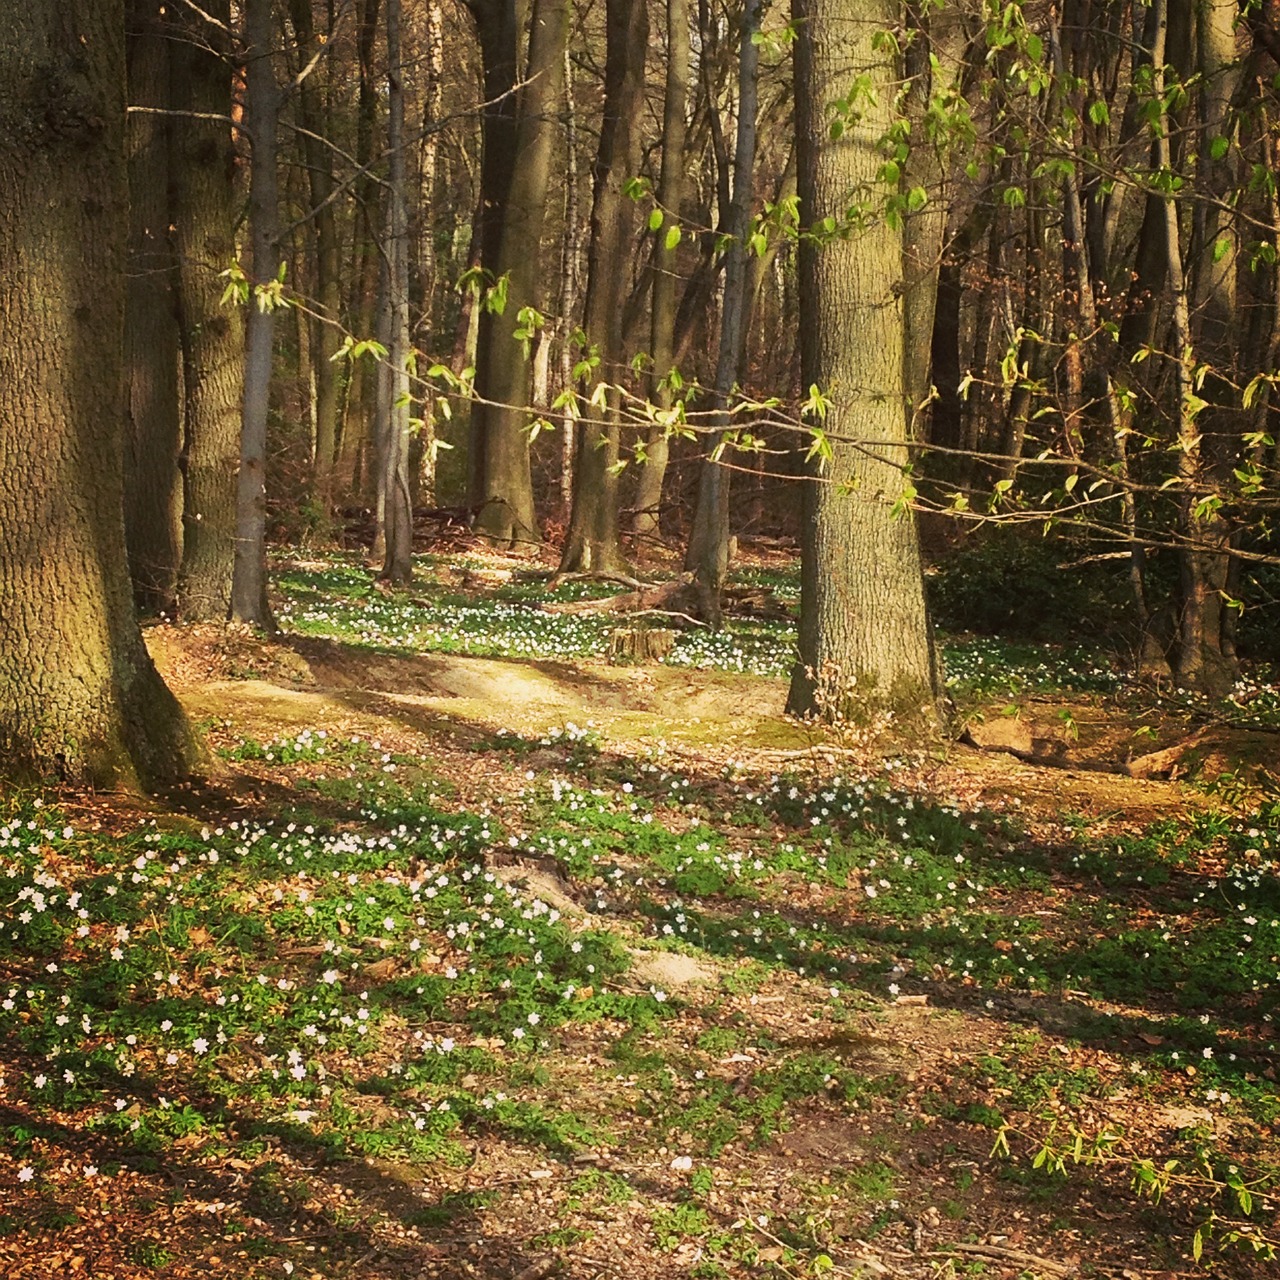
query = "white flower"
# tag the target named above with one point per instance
(26, 1173)
(682, 1162)
(200, 1045)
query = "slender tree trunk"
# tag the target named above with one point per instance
(934, 59)
(261, 117)
(430, 196)
(153, 491)
(662, 324)
(571, 276)
(497, 33)
(1204, 560)
(326, 332)
(361, 398)
(204, 213)
(397, 504)
(503, 379)
(79, 697)
(865, 644)
(708, 552)
(593, 542)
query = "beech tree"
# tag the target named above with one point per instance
(204, 210)
(79, 696)
(593, 543)
(864, 631)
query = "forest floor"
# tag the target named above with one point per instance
(475, 955)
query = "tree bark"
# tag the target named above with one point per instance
(153, 491)
(570, 289)
(708, 553)
(261, 117)
(865, 645)
(934, 66)
(327, 327)
(397, 502)
(497, 33)
(204, 214)
(593, 543)
(503, 379)
(662, 322)
(79, 697)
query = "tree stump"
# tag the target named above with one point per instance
(641, 644)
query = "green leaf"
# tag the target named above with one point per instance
(655, 219)
(672, 238)
(1218, 147)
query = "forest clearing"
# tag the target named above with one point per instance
(638, 638)
(531, 964)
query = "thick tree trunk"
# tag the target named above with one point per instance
(593, 543)
(153, 491)
(204, 213)
(662, 323)
(503, 379)
(79, 697)
(865, 646)
(261, 117)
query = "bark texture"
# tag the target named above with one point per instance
(708, 552)
(212, 335)
(396, 505)
(503, 380)
(153, 490)
(662, 321)
(79, 697)
(262, 118)
(593, 543)
(865, 645)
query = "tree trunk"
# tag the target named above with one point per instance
(204, 214)
(593, 543)
(261, 117)
(1204, 437)
(153, 491)
(503, 379)
(865, 646)
(361, 389)
(571, 275)
(708, 553)
(662, 326)
(934, 65)
(327, 329)
(397, 502)
(79, 697)
(497, 33)
(431, 195)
